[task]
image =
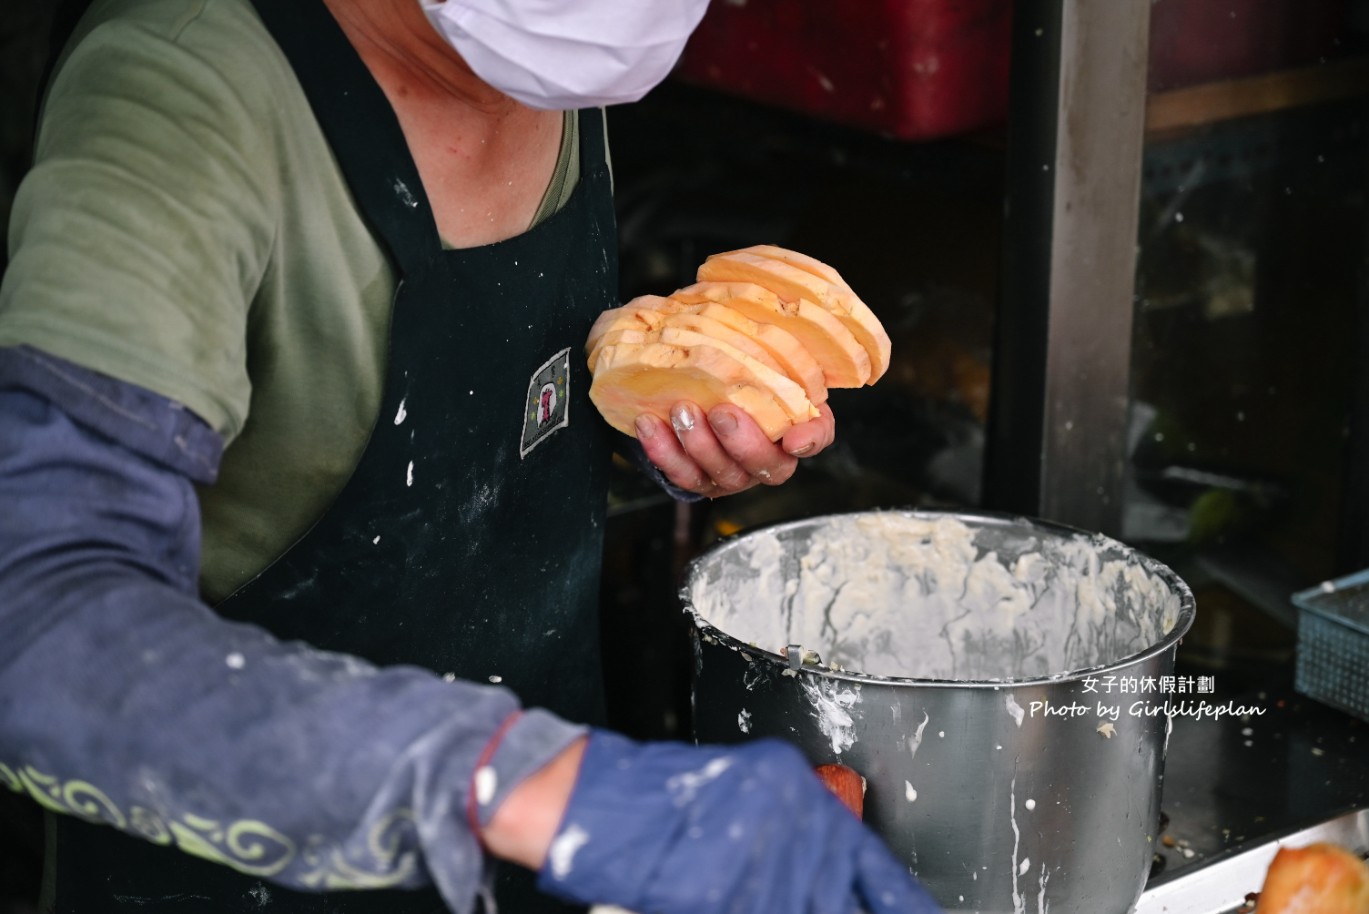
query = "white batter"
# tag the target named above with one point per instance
(892, 594)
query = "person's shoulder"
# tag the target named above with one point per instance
(179, 21)
(183, 38)
(209, 66)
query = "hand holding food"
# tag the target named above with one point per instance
(672, 828)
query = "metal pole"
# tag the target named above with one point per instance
(1057, 438)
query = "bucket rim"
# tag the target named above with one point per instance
(1187, 604)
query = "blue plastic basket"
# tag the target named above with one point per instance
(1333, 643)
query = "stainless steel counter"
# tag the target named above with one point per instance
(1234, 788)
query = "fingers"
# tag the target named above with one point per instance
(666, 452)
(811, 437)
(724, 452)
(735, 446)
(694, 454)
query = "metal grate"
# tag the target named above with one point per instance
(1333, 643)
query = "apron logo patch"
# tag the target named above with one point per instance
(545, 408)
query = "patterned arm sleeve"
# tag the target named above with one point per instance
(124, 699)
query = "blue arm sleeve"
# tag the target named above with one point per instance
(124, 699)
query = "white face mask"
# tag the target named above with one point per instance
(567, 54)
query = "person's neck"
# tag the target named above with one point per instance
(408, 56)
(485, 160)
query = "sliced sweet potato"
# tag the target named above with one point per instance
(615, 317)
(650, 320)
(765, 328)
(795, 276)
(786, 392)
(793, 357)
(845, 362)
(635, 379)
(768, 343)
(617, 337)
(802, 261)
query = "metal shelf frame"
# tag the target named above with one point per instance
(1057, 435)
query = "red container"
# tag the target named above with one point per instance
(911, 69)
(919, 69)
(1198, 41)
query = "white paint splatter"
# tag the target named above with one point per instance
(1108, 730)
(1025, 865)
(909, 792)
(405, 195)
(1030, 804)
(744, 721)
(683, 787)
(400, 416)
(916, 741)
(831, 707)
(482, 500)
(563, 849)
(1043, 906)
(376, 541)
(1019, 900)
(496, 678)
(486, 782)
(235, 661)
(409, 476)
(1015, 710)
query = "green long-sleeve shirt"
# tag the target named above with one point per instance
(185, 228)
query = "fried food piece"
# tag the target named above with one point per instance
(1321, 878)
(847, 784)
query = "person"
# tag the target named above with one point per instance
(298, 588)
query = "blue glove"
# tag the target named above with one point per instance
(666, 828)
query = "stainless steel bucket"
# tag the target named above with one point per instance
(1002, 683)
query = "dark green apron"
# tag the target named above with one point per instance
(469, 538)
